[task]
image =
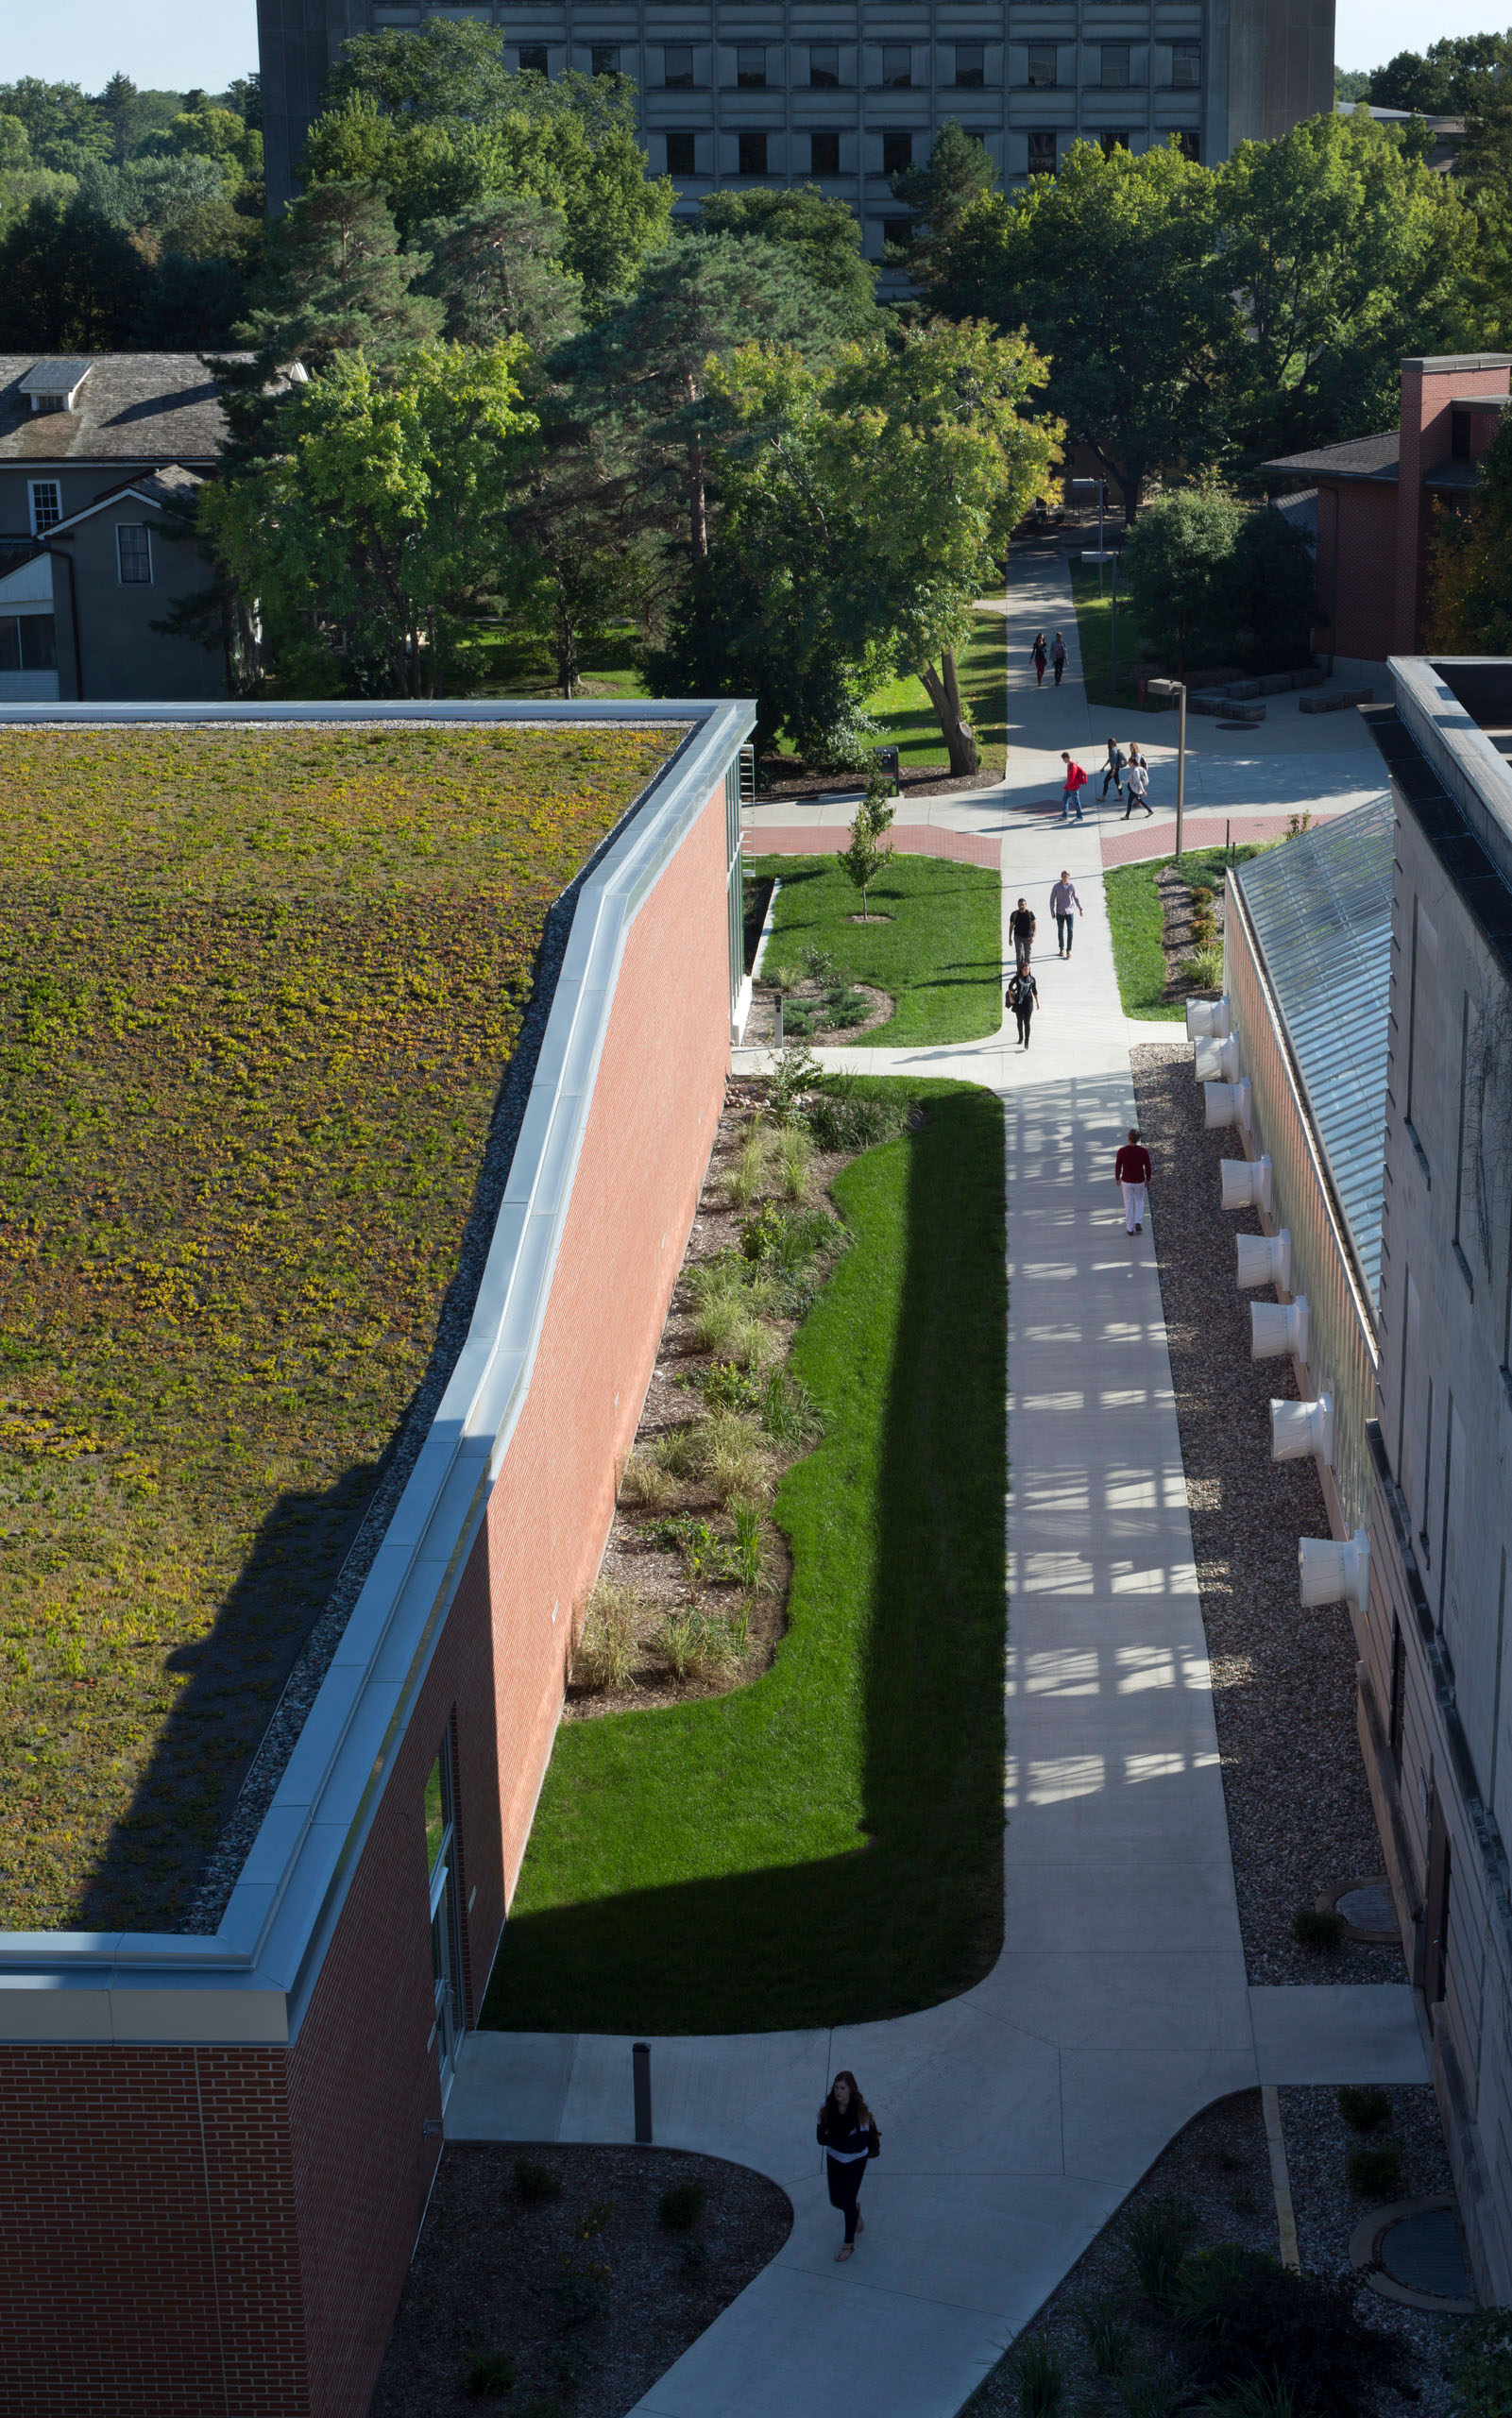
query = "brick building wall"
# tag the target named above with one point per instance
(226, 2230)
(1427, 393)
(1359, 596)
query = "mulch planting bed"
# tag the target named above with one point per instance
(1219, 2168)
(779, 777)
(586, 2297)
(1298, 1807)
(816, 1020)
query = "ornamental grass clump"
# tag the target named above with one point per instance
(258, 985)
(608, 1651)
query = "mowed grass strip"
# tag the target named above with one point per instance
(825, 1845)
(938, 955)
(258, 988)
(1137, 922)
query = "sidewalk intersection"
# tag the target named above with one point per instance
(1016, 2118)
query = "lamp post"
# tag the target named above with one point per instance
(1176, 688)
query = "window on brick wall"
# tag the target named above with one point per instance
(443, 1880)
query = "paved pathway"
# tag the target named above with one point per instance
(1017, 2116)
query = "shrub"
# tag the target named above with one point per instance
(1156, 2238)
(695, 2254)
(592, 2223)
(581, 2294)
(797, 1072)
(701, 1549)
(645, 1482)
(735, 1458)
(1365, 2108)
(846, 1007)
(1322, 1932)
(700, 1645)
(1109, 2340)
(749, 1173)
(843, 1117)
(1246, 2315)
(1204, 968)
(787, 1241)
(681, 2205)
(794, 1155)
(788, 1412)
(609, 1646)
(491, 2372)
(823, 965)
(727, 1388)
(682, 1451)
(536, 2183)
(1374, 2168)
(1039, 2378)
(1479, 2364)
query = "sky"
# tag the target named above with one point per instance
(174, 43)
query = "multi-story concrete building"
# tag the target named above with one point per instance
(788, 91)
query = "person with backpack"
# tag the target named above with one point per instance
(1131, 1170)
(1023, 996)
(1114, 769)
(849, 2137)
(1137, 778)
(1058, 656)
(1021, 930)
(1039, 656)
(1075, 781)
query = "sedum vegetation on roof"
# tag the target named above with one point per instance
(257, 987)
(1321, 908)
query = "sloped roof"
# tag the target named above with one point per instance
(1321, 910)
(132, 407)
(1359, 457)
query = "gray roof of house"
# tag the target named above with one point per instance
(1321, 910)
(132, 407)
(1360, 457)
(56, 376)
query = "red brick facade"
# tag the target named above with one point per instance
(222, 2232)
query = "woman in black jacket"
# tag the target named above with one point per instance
(848, 2137)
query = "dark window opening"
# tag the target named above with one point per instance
(753, 154)
(682, 155)
(897, 152)
(29, 643)
(1041, 154)
(1186, 65)
(606, 58)
(677, 66)
(970, 62)
(898, 232)
(1115, 65)
(1043, 66)
(1114, 140)
(751, 66)
(1190, 144)
(1459, 437)
(133, 550)
(823, 153)
(824, 65)
(897, 67)
(535, 60)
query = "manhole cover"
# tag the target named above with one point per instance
(1368, 1908)
(1424, 2252)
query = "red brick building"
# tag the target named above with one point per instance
(218, 2149)
(1375, 496)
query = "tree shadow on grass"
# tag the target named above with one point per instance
(913, 1914)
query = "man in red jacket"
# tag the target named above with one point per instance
(1075, 781)
(1132, 1169)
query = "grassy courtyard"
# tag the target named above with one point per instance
(825, 1844)
(1095, 625)
(257, 988)
(938, 955)
(1137, 920)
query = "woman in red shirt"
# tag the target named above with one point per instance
(1132, 1169)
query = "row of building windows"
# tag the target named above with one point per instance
(29, 643)
(133, 541)
(753, 155)
(753, 74)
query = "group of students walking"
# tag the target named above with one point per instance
(1128, 773)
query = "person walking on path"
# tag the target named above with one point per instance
(1131, 1170)
(1137, 778)
(1114, 769)
(1022, 926)
(1075, 781)
(1065, 907)
(848, 2137)
(1039, 655)
(1023, 996)
(1058, 656)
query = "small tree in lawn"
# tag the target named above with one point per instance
(869, 849)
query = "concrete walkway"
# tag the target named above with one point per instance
(1016, 2118)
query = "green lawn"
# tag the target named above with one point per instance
(825, 1845)
(940, 958)
(1095, 625)
(499, 660)
(906, 719)
(1136, 922)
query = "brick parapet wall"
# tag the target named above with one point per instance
(190, 2232)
